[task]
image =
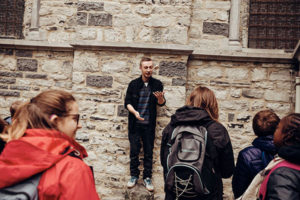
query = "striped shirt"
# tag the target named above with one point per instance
(143, 105)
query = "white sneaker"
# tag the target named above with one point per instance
(131, 183)
(148, 184)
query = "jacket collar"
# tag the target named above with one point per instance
(141, 82)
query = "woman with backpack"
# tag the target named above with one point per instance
(41, 139)
(284, 181)
(202, 110)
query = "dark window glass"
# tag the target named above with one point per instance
(274, 24)
(11, 18)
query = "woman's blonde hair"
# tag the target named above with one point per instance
(37, 113)
(204, 98)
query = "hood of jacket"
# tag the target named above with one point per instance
(190, 115)
(290, 153)
(36, 151)
(265, 143)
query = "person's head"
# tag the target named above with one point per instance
(146, 67)
(204, 98)
(14, 106)
(265, 123)
(288, 131)
(52, 109)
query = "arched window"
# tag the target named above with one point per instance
(11, 18)
(274, 24)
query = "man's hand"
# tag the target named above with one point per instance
(160, 97)
(137, 115)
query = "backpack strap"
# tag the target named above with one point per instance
(263, 187)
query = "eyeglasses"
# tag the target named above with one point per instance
(76, 116)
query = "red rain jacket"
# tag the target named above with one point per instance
(39, 150)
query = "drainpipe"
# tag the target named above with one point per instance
(297, 106)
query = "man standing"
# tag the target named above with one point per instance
(142, 96)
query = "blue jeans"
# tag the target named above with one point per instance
(142, 132)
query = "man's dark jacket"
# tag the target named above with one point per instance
(252, 160)
(132, 97)
(284, 182)
(220, 152)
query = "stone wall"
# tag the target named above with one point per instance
(243, 89)
(98, 80)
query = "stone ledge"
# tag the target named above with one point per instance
(33, 45)
(135, 47)
(296, 53)
(269, 56)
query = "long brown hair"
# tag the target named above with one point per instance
(37, 113)
(204, 98)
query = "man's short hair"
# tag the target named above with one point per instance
(145, 59)
(265, 123)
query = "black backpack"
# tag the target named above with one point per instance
(190, 172)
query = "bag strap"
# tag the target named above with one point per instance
(263, 187)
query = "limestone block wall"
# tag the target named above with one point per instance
(242, 89)
(98, 80)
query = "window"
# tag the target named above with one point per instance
(274, 24)
(11, 18)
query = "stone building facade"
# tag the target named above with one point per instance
(92, 48)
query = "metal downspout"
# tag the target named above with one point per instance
(297, 100)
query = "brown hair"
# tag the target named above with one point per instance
(14, 106)
(3, 124)
(265, 123)
(37, 113)
(144, 59)
(204, 98)
(291, 129)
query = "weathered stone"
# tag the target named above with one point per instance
(52, 66)
(9, 93)
(279, 107)
(221, 94)
(99, 81)
(235, 93)
(23, 53)
(11, 74)
(143, 9)
(210, 72)
(237, 105)
(81, 18)
(14, 87)
(86, 62)
(253, 93)
(7, 63)
(172, 68)
(78, 77)
(178, 82)
(122, 112)
(178, 92)
(139, 192)
(8, 80)
(219, 83)
(155, 21)
(113, 35)
(6, 51)
(87, 34)
(98, 118)
(244, 117)
(176, 35)
(27, 65)
(106, 109)
(240, 126)
(88, 6)
(115, 66)
(36, 76)
(283, 75)
(216, 28)
(100, 19)
(259, 74)
(3, 86)
(277, 95)
(257, 105)
(237, 73)
(230, 117)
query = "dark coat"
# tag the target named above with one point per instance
(221, 152)
(284, 183)
(252, 160)
(132, 97)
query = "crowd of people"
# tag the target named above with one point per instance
(39, 138)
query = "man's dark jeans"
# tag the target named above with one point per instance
(142, 132)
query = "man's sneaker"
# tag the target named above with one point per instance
(133, 180)
(148, 184)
